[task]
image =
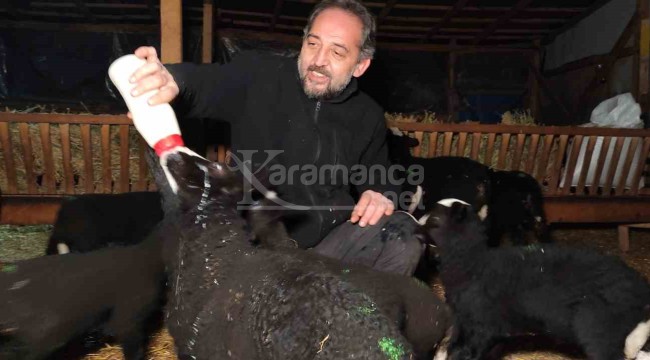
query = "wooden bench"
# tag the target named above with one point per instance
(588, 175)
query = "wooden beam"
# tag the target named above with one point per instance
(29, 210)
(534, 70)
(83, 9)
(520, 5)
(384, 31)
(452, 107)
(208, 27)
(45, 26)
(276, 14)
(533, 95)
(471, 20)
(609, 62)
(104, 5)
(12, 9)
(385, 10)
(219, 11)
(498, 9)
(519, 129)
(571, 23)
(171, 31)
(643, 56)
(296, 40)
(445, 19)
(153, 12)
(575, 209)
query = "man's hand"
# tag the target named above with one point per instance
(371, 207)
(153, 76)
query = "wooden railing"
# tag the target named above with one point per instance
(61, 154)
(576, 161)
(610, 188)
(44, 157)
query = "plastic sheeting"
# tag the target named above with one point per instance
(66, 67)
(69, 67)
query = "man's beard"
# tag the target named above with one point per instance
(332, 90)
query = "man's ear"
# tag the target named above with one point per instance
(361, 67)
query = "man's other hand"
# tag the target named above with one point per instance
(371, 207)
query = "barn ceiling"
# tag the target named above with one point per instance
(465, 22)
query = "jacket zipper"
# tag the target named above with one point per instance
(317, 155)
(318, 142)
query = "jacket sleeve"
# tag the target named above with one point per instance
(376, 154)
(212, 90)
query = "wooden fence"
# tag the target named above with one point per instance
(587, 174)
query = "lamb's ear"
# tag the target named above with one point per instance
(459, 211)
(422, 235)
(411, 142)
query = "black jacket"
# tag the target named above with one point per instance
(261, 96)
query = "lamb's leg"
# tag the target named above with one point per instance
(518, 236)
(594, 331)
(471, 342)
(134, 345)
(133, 329)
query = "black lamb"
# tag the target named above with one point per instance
(516, 209)
(444, 176)
(236, 294)
(575, 295)
(49, 302)
(94, 221)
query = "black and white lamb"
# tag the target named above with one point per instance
(236, 294)
(579, 296)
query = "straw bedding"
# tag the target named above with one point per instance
(30, 241)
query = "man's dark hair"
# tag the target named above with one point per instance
(357, 9)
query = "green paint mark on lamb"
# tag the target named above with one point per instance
(366, 310)
(531, 248)
(421, 284)
(391, 348)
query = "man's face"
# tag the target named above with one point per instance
(330, 54)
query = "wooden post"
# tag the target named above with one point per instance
(642, 58)
(171, 31)
(451, 84)
(208, 12)
(533, 84)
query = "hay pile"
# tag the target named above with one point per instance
(160, 348)
(518, 117)
(23, 242)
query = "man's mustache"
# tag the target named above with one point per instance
(319, 69)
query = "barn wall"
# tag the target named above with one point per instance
(594, 35)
